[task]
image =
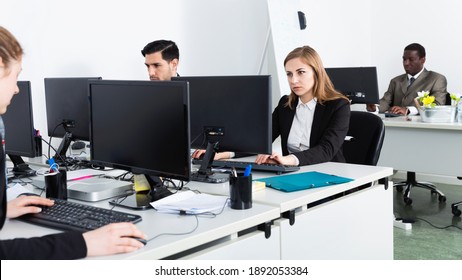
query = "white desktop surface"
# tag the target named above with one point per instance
(365, 230)
(355, 226)
(361, 174)
(431, 148)
(225, 225)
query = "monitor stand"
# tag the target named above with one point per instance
(205, 173)
(20, 168)
(60, 156)
(142, 200)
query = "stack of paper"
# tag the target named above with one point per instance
(190, 202)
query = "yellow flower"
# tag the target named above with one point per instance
(428, 101)
(455, 96)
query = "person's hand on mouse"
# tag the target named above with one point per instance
(113, 239)
(26, 204)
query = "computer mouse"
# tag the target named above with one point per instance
(142, 240)
(78, 145)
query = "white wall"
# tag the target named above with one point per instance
(434, 24)
(104, 38)
(220, 37)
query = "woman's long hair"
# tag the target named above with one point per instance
(323, 89)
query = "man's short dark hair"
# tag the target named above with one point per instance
(168, 49)
(416, 47)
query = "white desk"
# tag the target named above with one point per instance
(432, 148)
(215, 238)
(355, 226)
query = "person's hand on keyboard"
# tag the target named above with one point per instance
(26, 204)
(199, 154)
(399, 110)
(113, 239)
(275, 158)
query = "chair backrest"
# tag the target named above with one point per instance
(448, 99)
(367, 131)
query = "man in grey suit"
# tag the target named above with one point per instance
(399, 98)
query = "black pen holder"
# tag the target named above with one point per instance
(240, 191)
(56, 184)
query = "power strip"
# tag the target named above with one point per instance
(400, 224)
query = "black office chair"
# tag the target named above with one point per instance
(448, 99)
(455, 206)
(364, 139)
(412, 182)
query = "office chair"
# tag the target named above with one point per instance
(412, 182)
(364, 139)
(455, 206)
(448, 99)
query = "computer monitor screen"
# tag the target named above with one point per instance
(67, 110)
(240, 105)
(359, 84)
(233, 112)
(19, 129)
(141, 126)
(19, 123)
(67, 106)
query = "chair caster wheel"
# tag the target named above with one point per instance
(408, 201)
(456, 211)
(442, 198)
(399, 188)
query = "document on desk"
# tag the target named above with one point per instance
(303, 181)
(190, 202)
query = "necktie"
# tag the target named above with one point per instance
(411, 80)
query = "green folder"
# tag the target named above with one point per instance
(303, 181)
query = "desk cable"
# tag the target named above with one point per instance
(443, 227)
(184, 213)
(56, 152)
(413, 220)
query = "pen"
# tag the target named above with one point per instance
(247, 170)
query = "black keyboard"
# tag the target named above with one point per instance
(392, 115)
(66, 215)
(266, 167)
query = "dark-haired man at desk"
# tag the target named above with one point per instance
(399, 98)
(161, 57)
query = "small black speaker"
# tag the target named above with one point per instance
(302, 20)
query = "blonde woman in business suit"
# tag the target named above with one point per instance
(107, 240)
(399, 98)
(314, 119)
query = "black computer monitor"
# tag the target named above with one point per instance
(229, 113)
(142, 127)
(359, 84)
(67, 111)
(19, 130)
